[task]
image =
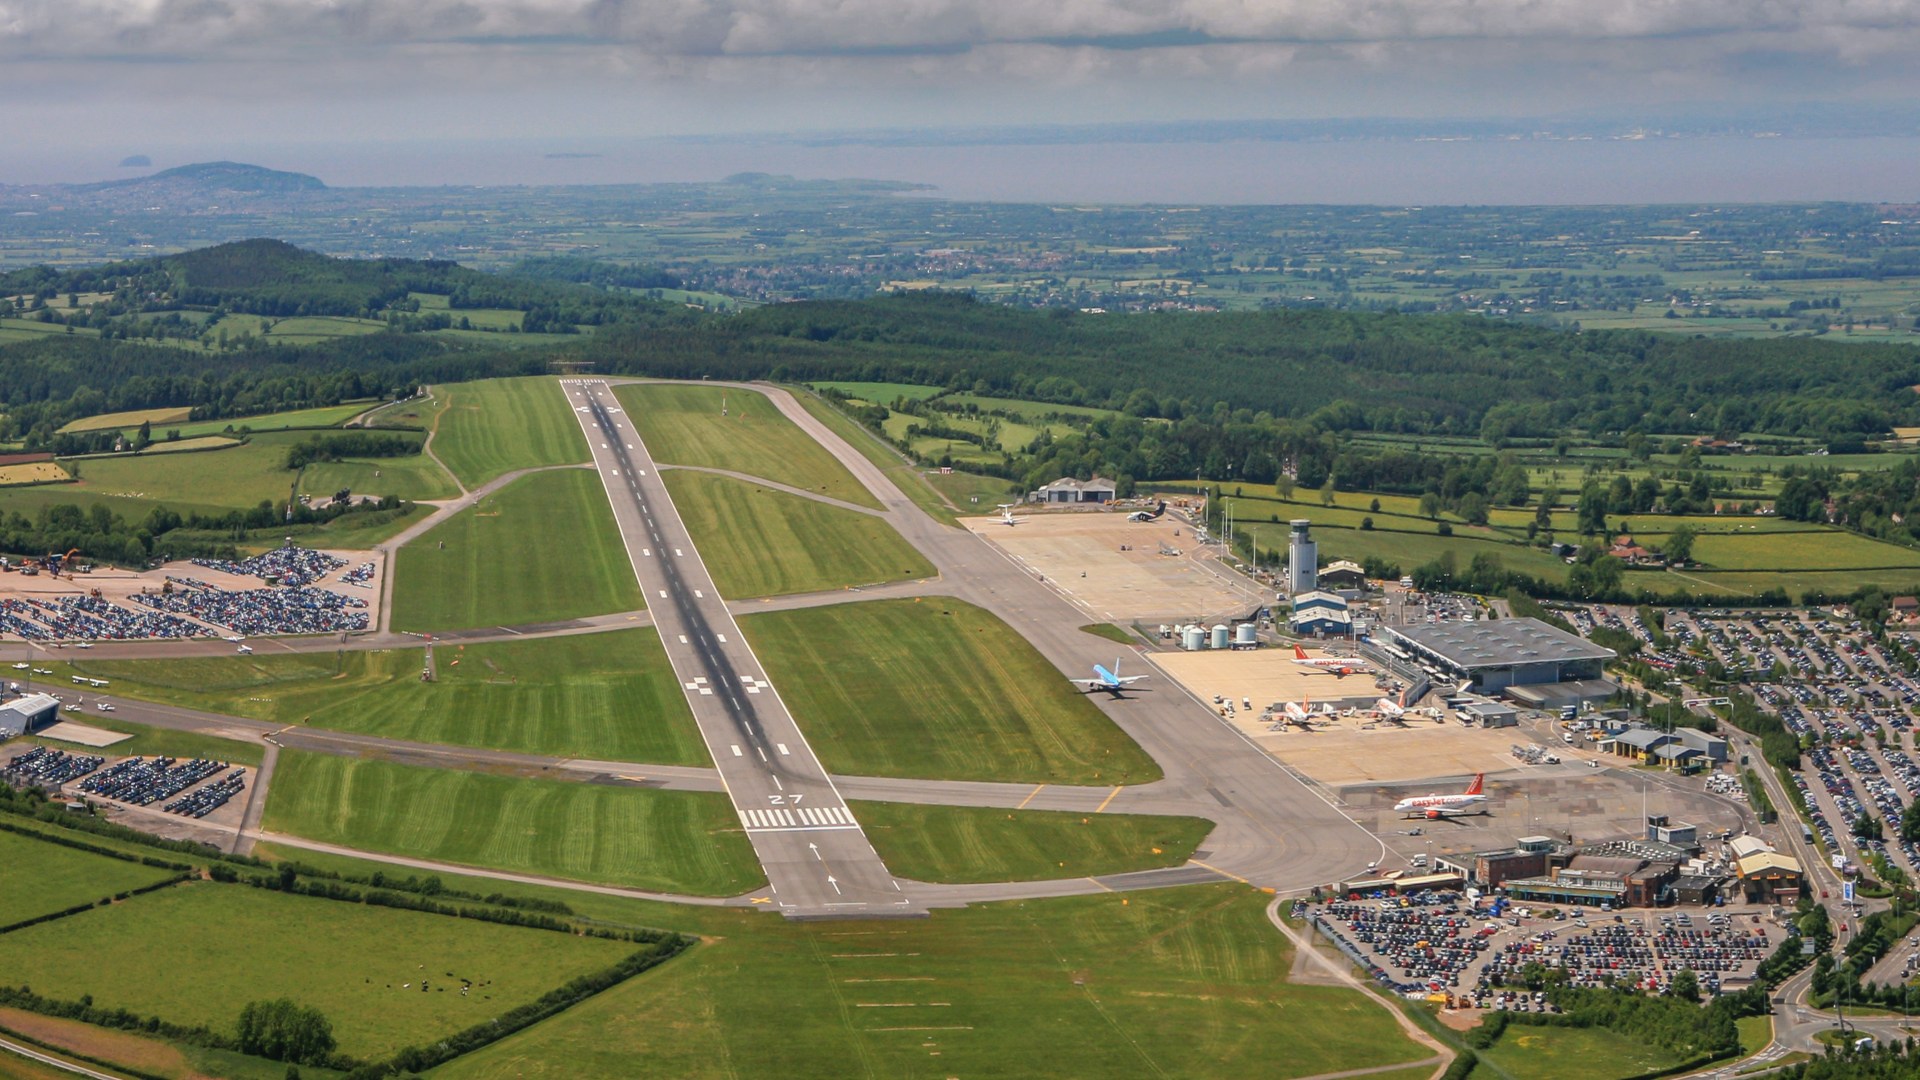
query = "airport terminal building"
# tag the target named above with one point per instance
(1497, 654)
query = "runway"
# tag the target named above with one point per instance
(817, 859)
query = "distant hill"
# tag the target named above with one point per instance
(214, 177)
(275, 278)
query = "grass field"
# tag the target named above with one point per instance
(686, 842)
(415, 477)
(904, 474)
(682, 425)
(191, 445)
(1826, 550)
(937, 689)
(540, 549)
(757, 541)
(318, 417)
(43, 878)
(880, 393)
(196, 953)
(33, 472)
(1559, 1053)
(608, 696)
(492, 427)
(237, 478)
(132, 418)
(971, 843)
(1187, 983)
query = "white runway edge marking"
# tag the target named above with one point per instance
(663, 594)
(782, 747)
(736, 752)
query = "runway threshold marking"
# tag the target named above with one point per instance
(1031, 794)
(1111, 795)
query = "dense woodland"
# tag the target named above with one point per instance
(1261, 398)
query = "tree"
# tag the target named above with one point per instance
(1685, 985)
(1326, 492)
(1679, 545)
(1429, 505)
(1283, 486)
(284, 1031)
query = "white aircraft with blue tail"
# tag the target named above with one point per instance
(1111, 681)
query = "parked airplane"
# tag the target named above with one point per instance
(1433, 807)
(1301, 713)
(1341, 666)
(1389, 708)
(1110, 681)
(1006, 514)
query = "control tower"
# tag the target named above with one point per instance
(1303, 560)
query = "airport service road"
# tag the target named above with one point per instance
(816, 857)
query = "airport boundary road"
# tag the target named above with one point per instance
(816, 857)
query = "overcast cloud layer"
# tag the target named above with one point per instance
(145, 74)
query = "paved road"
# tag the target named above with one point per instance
(815, 854)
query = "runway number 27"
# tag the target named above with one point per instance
(783, 800)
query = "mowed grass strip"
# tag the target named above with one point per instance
(494, 426)
(541, 549)
(1188, 983)
(683, 425)
(937, 689)
(963, 844)
(757, 541)
(609, 696)
(43, 877)
(686, 842)
(196, 953)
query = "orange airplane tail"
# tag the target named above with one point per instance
(1478, 779)
(1299, 653)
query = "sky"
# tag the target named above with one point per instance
(90, 81)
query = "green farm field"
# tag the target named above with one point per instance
(757, 541)
(682, 425)
(196, 953)
(1823, 550)
(236, 478)
(324, 416)
(1188, 983)
(543, 548)
(610, 696)
(42, 878)
(492, 427)
(151, 1055)
(937, 689)
(686, 842)
(970, 843)
(881, 393)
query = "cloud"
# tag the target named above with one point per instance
(186, 29)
